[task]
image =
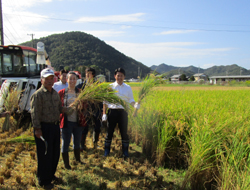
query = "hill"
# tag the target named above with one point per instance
(77, 50)
(169, 70)
(163, 68)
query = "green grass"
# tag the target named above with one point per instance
(20, 139)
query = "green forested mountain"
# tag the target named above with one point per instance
(169, 70)
(227, 70)
(163, 68)
(76, 50)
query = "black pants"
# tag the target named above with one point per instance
(93, 120)
(120, 117)
(97, 127)
(47, 164)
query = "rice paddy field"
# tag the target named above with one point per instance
(203, 130)
(183, 137)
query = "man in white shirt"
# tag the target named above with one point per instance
(117, 114)
(63, 81)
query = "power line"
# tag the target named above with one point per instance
(8, 39)
(14, 9)
(209, 24)
(148, 26)
(11, 25)
(11, 34)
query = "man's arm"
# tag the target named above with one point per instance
(36, 113)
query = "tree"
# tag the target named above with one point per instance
(192, 78)
(66, 68)
(183, 77)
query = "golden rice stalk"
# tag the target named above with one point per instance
(147, 85)
(10, 104)
(96, 93)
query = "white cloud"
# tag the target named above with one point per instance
(18, 5)
(17, 28)
(125, 27)
(113, 18)
(205, 66)
(104, 33)
(165, 51)
(175, 32)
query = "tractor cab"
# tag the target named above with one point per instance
(18, 62)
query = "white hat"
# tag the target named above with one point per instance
(46, 72)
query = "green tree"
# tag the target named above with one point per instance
(192, 78)
(183, 77)
(66, 68)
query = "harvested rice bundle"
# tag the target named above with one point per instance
(147, 85)
(10, 104)
(96, 93)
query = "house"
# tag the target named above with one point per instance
(133, 80)
(200, 76)
(215, 79)
(175, 78)
(101, 78)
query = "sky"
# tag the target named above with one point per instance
(202, 33)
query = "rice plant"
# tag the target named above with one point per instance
(204, 131)
(11, 100)
(146, 86)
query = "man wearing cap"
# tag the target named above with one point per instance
(45, 110)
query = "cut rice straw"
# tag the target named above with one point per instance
(10, 104)
(96, 93)
(147, 85)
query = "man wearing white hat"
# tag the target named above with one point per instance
(46, 107)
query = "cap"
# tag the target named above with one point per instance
(46, 72)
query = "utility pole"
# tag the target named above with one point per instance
(107, 72)
(32, 39)
(1, 24)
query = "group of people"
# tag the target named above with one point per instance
(52, 110)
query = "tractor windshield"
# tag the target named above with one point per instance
(18, 62)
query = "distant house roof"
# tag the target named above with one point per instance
(199, 74)
(175, 76)
(230, 77)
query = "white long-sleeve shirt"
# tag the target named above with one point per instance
(124, 91)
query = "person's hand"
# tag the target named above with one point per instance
(6, 113)
(38, 133)
(104, 117)
(137, 105)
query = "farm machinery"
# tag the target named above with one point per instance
(20, 68)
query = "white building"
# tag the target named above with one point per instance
(215, 79)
